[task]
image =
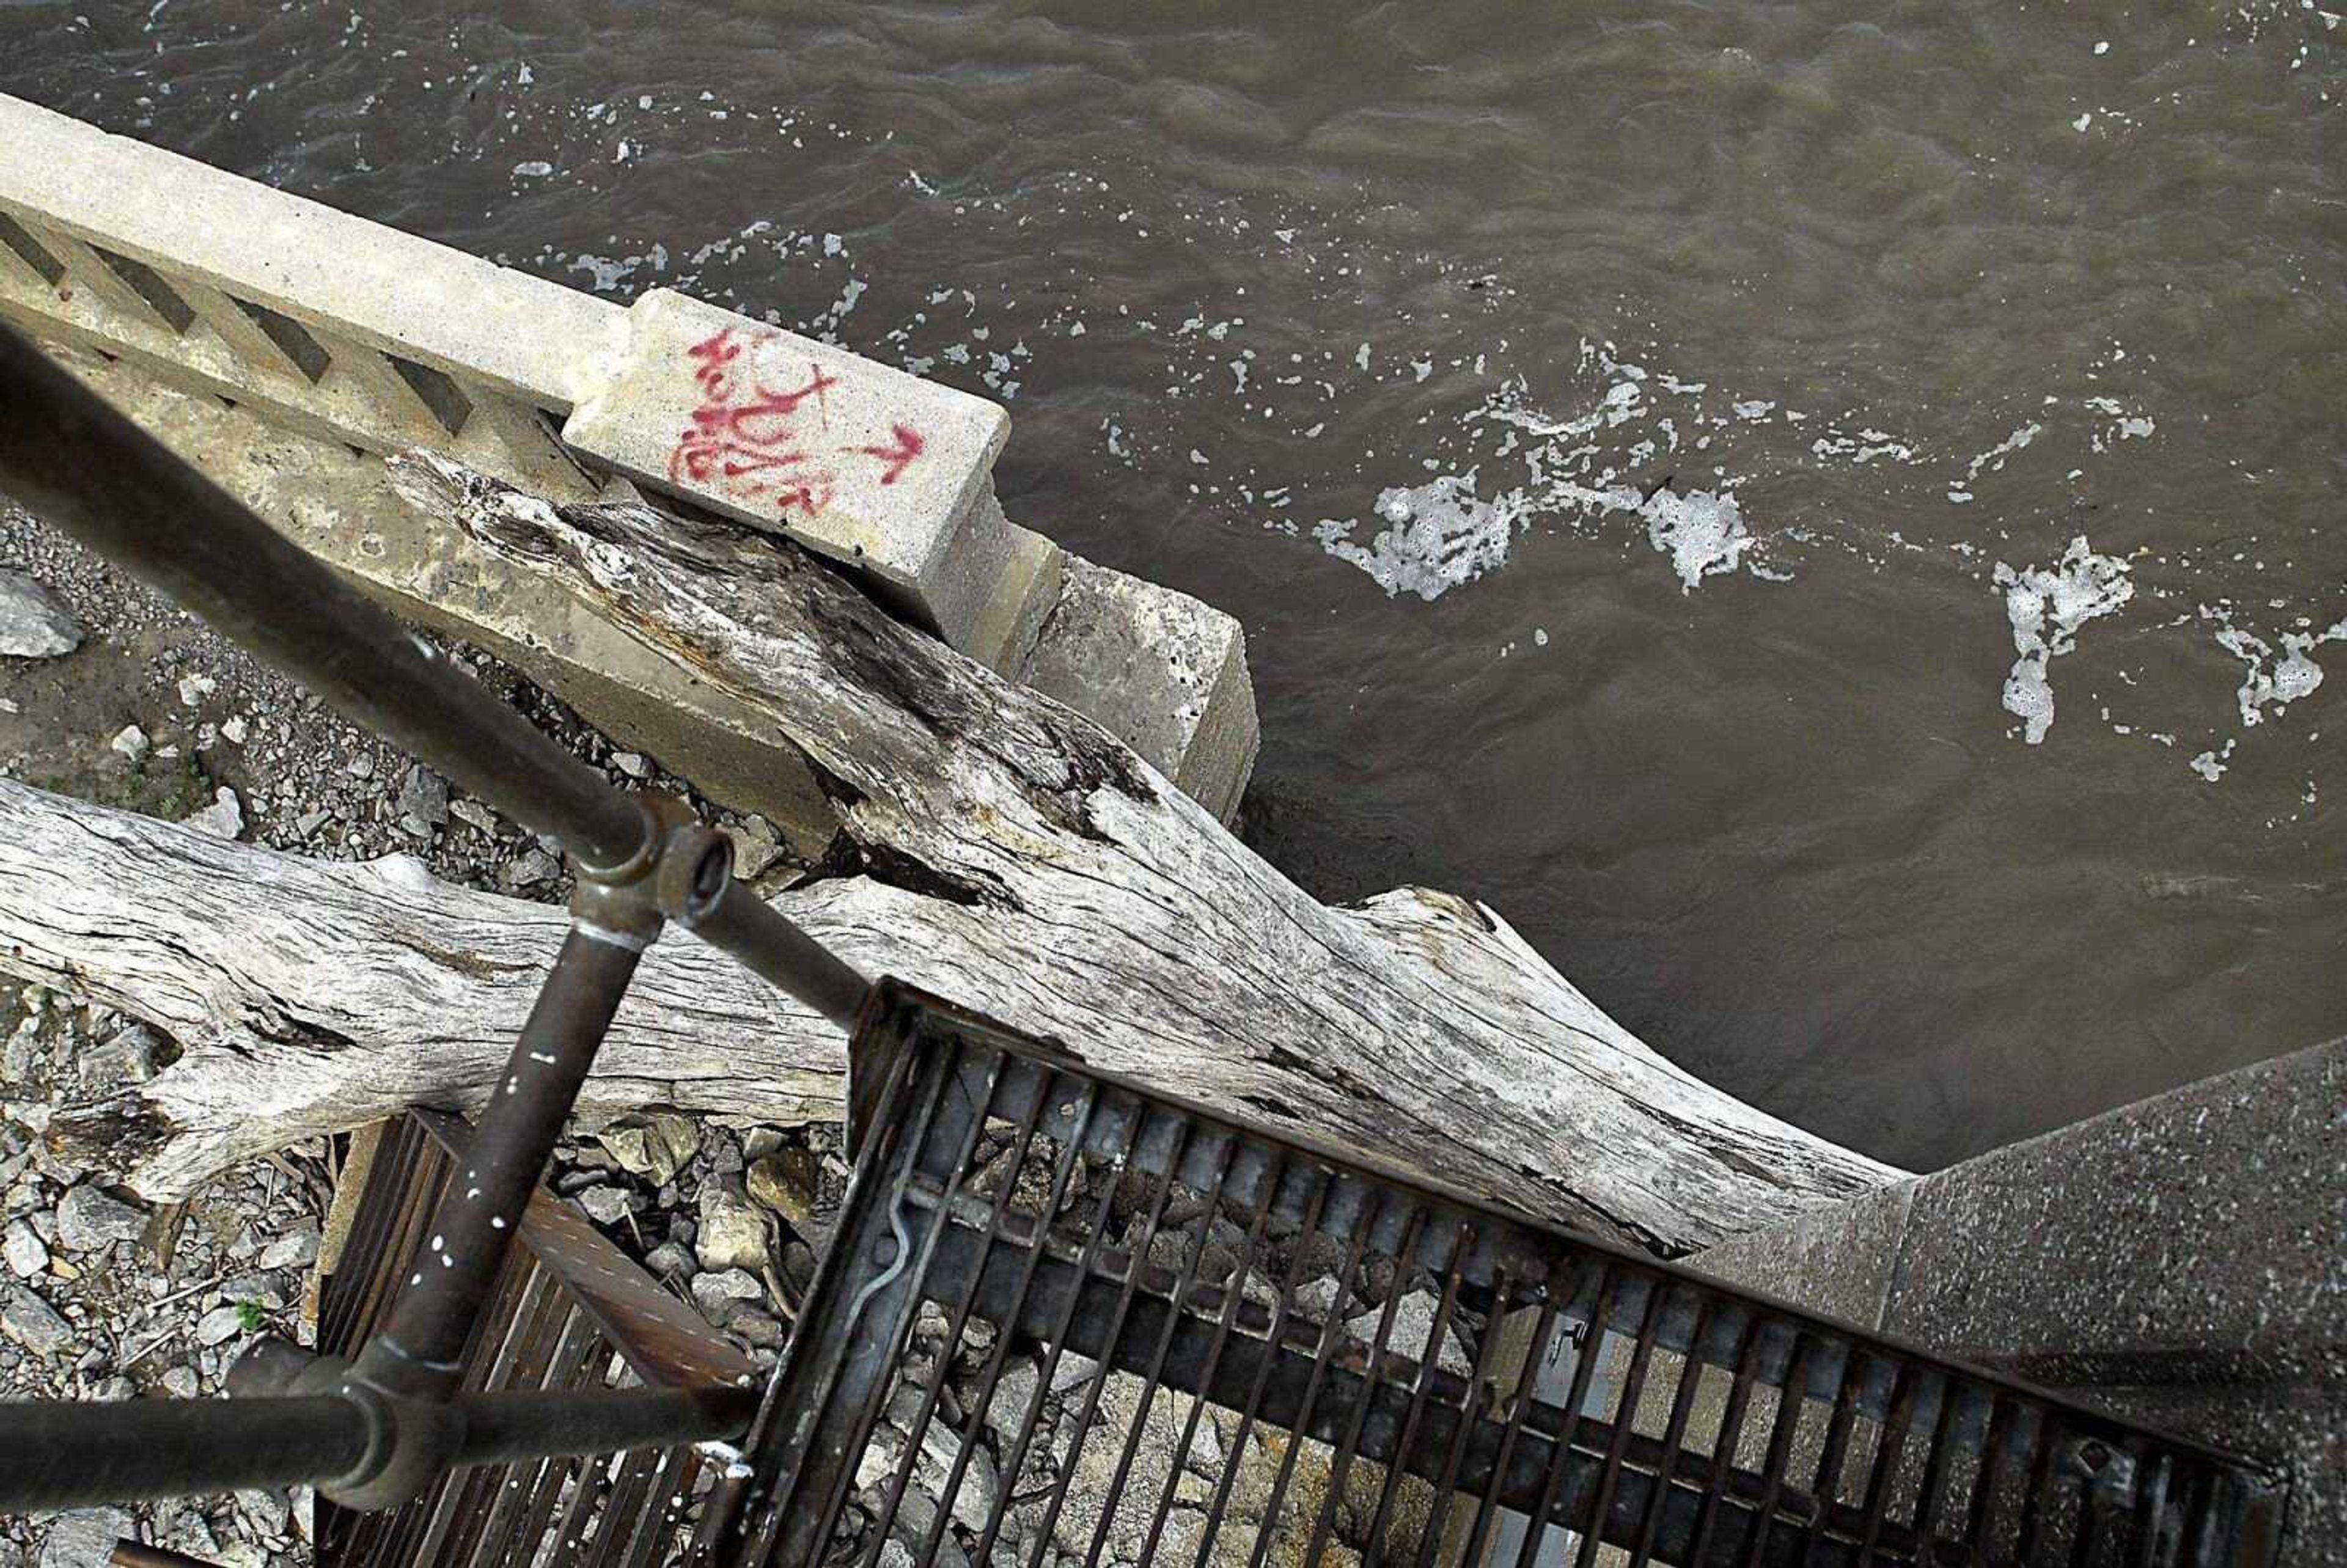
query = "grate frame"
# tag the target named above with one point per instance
(1820, 1442)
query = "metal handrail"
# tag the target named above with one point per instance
(374, 1432)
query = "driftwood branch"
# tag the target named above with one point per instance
(994, 846)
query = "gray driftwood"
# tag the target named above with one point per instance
(994, 846)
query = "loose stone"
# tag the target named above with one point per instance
(733, 1231)
(224, 818)
(34, 621)
(90, 1218)
(33, 1322)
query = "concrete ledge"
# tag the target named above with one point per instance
(339, 504)
(336, 503)
(532, 340)
(342, 333)
(878, 470)
(1164, 672)
(2181, 1261)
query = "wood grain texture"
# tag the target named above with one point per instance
(994, 846)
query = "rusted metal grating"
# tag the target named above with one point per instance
(1016, 1217)
(568, 1311)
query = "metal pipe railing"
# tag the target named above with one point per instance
(57, 1454)
(373, 1433)
(421, 1350)
(60, 1454)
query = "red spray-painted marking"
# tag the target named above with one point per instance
(908, 447)
(755, 448)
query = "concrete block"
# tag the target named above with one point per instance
(881, 471)
(338, 505)
(1025, 591)
(1839, 1261)
(529, 339)
(1164, 672)
(2181, 1262)
(2183, 1259)
(338, 329)
(2198, 1229)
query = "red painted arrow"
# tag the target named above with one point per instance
(908, 447)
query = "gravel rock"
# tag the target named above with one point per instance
(84, 1537)
(654, 1146)
(973, 1500)
(787, 1182)
(181, 1383)
(267, 1510)
(25, 1251)
(534, 869)
(224, 818)
(220, 1325)
(1413, 1325)
(753, 1326)
(424, 798)
(131, 741)
(295, 1249)
(606, 1205)
(716, 1292)
(1073, 1372)
(34, 622)
(669, 1260)
(756, 845)
(33, 1322)
(127, 1057)
(1014, 1391)
(732, 1231)
(90, 1218)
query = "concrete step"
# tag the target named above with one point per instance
(2181, 1262)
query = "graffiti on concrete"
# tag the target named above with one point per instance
(765, 447)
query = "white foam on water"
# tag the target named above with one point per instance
(1868, 446)
(1438, 536)
(2271, 679)
(1702, 533)
(2046, 605)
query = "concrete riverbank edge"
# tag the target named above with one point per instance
(304, 336)
(310, 343)
(2180, 1261)
(1181, 694)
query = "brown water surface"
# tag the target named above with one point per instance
(1645, 444)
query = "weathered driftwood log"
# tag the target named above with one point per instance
(995, 847)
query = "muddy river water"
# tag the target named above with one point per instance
(1826, 516)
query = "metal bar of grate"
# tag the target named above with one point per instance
(566, 1312)
(1230, 1348)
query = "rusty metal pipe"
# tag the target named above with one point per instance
(513, 1425)
(56, 1454)
(420, 1352)
(128, 1553)
(60, 1454)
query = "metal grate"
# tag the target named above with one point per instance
(566, 1310)
(1041, 1269)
